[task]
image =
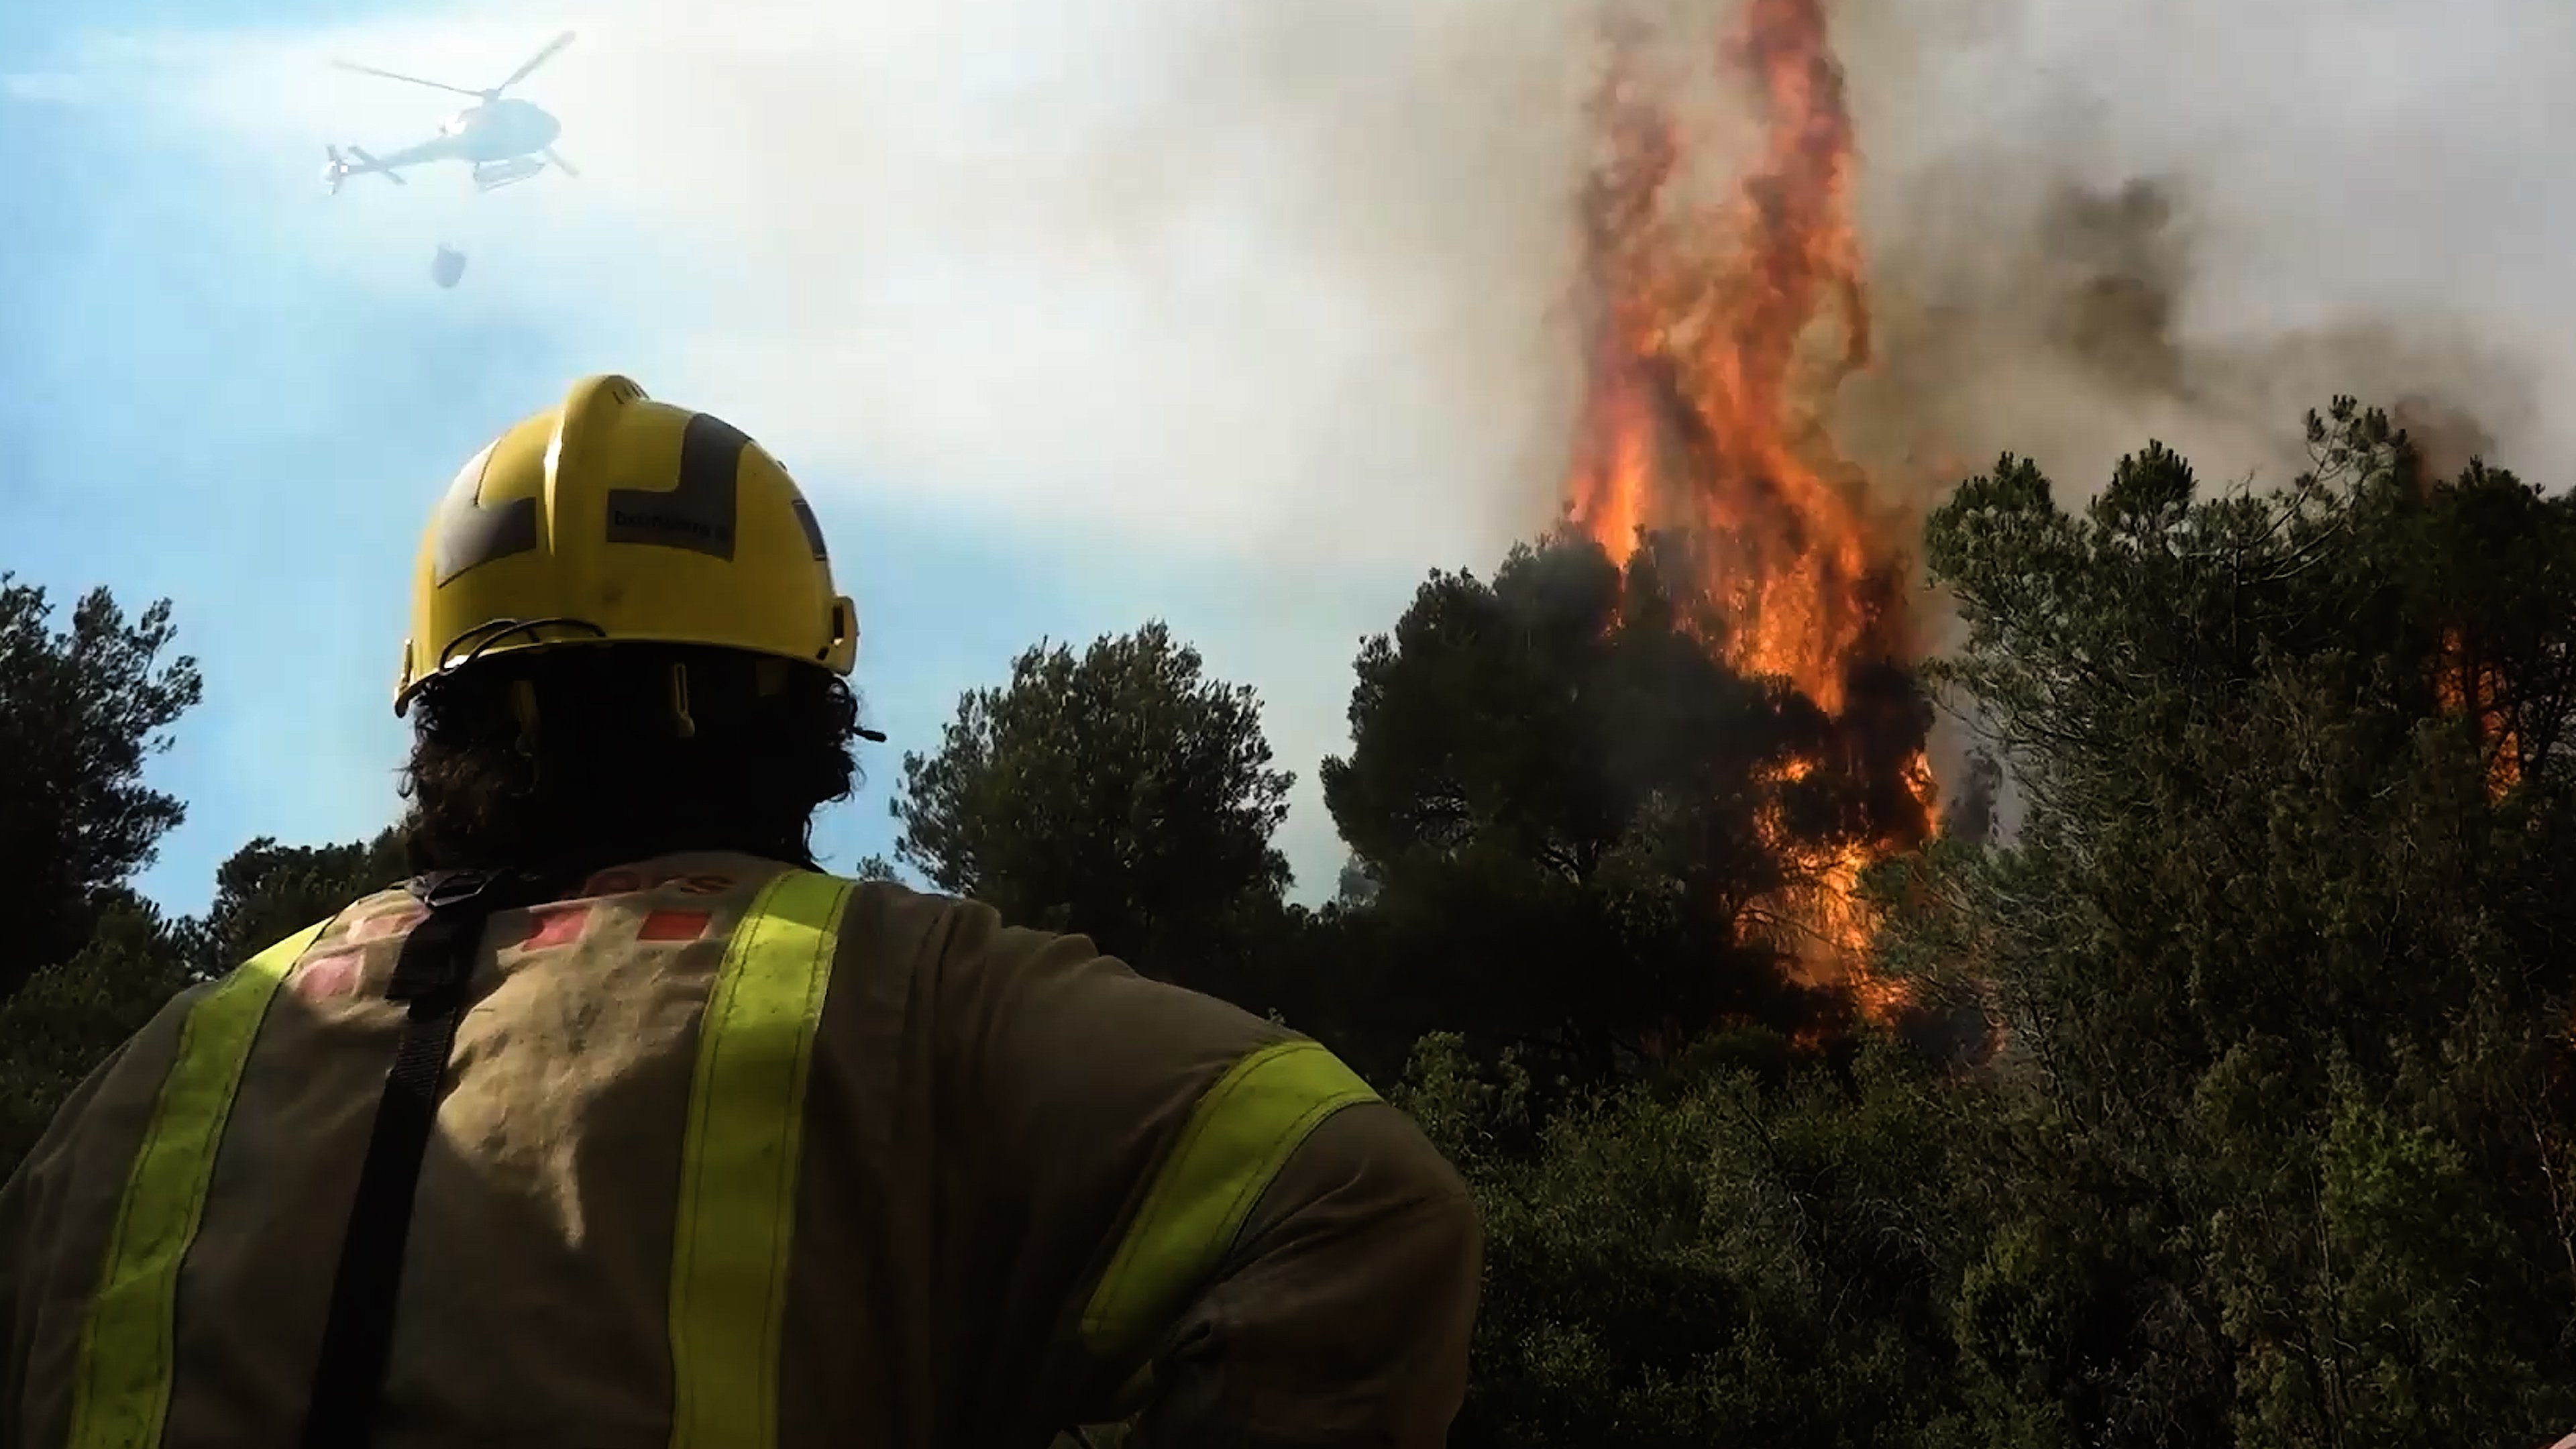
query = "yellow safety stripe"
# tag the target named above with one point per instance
(121, 1394)
(1242, 1132)
(739, 1162)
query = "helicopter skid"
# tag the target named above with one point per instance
(490, 175)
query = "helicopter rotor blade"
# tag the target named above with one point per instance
(538, 59)
(397, 75)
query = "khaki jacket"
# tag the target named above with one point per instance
(1011, 1207)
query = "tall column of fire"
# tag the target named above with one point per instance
(1725, 317)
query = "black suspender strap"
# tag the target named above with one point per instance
(432, 977)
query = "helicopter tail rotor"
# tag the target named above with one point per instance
(356, 163)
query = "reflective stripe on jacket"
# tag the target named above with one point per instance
(735, 1155)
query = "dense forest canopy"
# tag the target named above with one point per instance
(2232, 1098)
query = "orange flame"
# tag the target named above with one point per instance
(1712, 357)
(2469, 685)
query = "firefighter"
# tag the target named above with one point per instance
(622, 1124)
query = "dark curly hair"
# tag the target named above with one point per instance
(568, 760)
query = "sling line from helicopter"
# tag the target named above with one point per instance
(504, 140)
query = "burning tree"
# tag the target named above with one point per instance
(1574, 814)
(1721, 326)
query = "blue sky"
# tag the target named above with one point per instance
(1070, 315)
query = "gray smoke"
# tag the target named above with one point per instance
(1219, 276)
(2094, 224)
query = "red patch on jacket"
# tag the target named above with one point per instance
(673, 926)
(325, 978)
(551, 926)
(392, 921)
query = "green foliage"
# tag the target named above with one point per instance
(1121, 794)
(2277, 946)
(81, 710)
(1746, 1253)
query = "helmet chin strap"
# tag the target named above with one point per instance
(523, 704)
(687, 726)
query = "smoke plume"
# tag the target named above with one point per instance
(2094, 224)
(1288, 290)
(1236, 277)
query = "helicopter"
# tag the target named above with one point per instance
(504, 140)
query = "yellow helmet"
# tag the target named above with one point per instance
(617, 519)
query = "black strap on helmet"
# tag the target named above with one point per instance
(431, 976)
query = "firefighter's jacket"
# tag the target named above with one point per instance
(736, 1155)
